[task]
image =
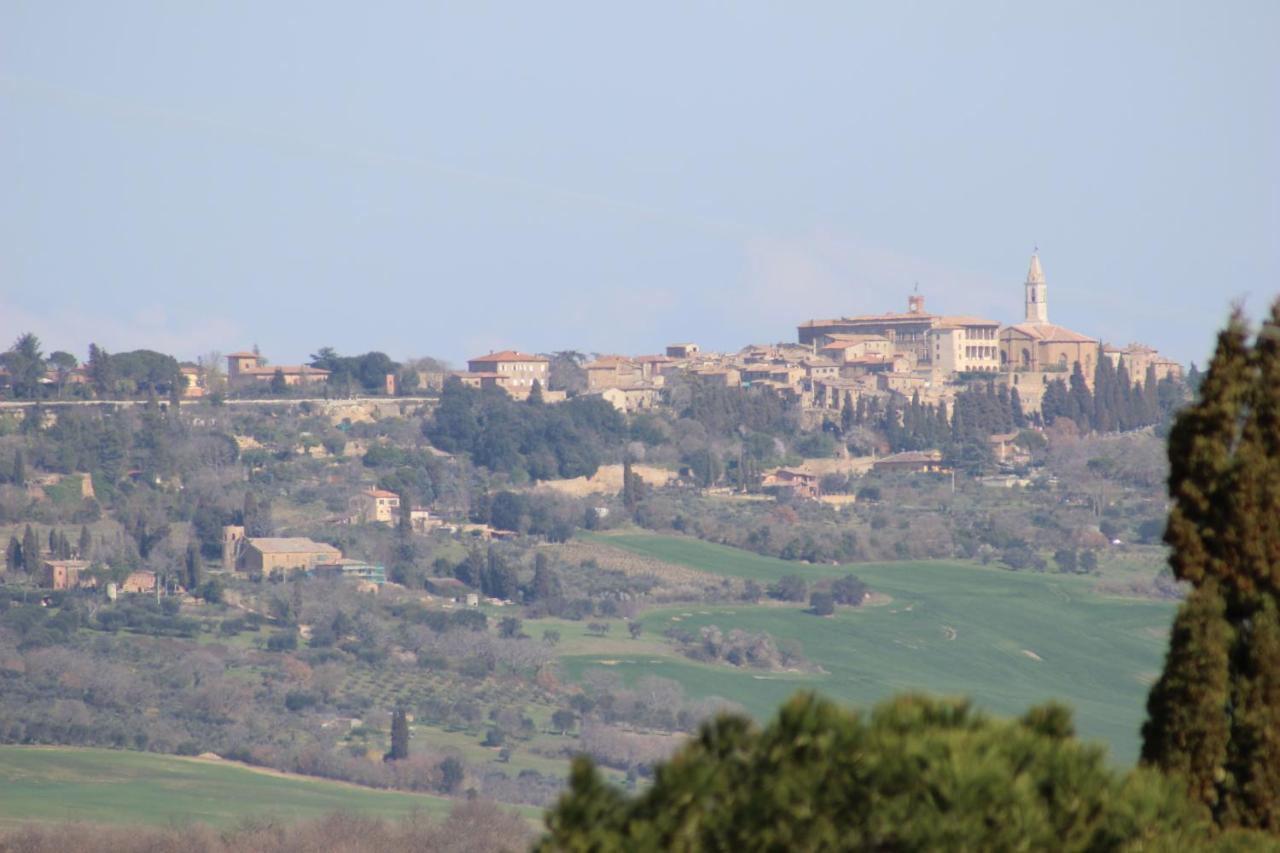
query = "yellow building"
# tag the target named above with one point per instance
(965, 345)
(377, 506)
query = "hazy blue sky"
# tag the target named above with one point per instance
(447, 178)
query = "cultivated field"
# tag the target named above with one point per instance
(1006, 639)
(110, 786)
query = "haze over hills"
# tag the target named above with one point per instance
(563, 426)
(469, 179)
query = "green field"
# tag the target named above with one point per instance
(110, 786)
(1006, 639)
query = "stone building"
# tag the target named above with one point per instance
(965, 345)
(1035, 345)
(61, 574)
(245, 369)
(513, 372)
(268, 554)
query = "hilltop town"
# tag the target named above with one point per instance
(913, 353)
(354, 548)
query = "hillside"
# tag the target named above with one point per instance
(1006, 639)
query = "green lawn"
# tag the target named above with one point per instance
(110, 786)
(1006, 639)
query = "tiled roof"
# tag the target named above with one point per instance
(380, 493)
(508, 355)
(966, 320)
(288, 370)
(291, 545)
(1049, 332)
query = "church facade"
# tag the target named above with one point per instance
(1037, 346)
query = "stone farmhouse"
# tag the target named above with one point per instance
(379, 506)
(246, 370)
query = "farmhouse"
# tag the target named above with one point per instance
(911, 462)
(61, 574)
(801, 483)
(246, 370)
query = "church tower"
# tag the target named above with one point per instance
(1037, 293)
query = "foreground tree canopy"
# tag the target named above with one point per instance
(914, 774)
(1214, 714)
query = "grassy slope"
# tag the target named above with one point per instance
(1096, 653)
(110, 786)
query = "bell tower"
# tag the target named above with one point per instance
(1037, 293)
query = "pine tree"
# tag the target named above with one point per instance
(101, 375)
(1214, 713)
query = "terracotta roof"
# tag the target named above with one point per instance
(892, 317)
(508, 355)
(243, 355)
(270, 370)
(966, 320)
(608, 361)
(380, 493)
(1049, 332)
(856, 338)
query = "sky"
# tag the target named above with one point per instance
(446, 179)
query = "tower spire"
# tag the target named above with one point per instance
(1037, 291)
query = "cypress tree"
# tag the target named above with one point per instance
(13, 555)
(193, 566)
(30, 551)
(399, 736)
(1150, 399)
(404, 523)
(86, 543)
(19, 468)
(1015, 408)
(1081, 399)
(1214, 713)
